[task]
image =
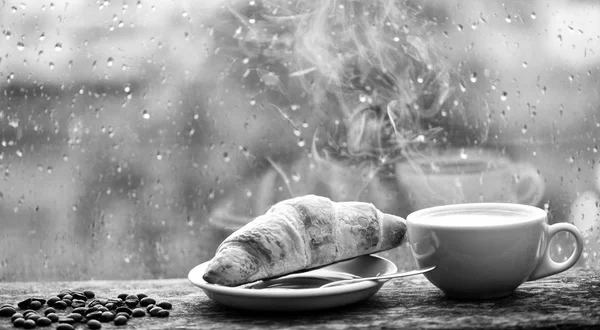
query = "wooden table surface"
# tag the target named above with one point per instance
(570, 300)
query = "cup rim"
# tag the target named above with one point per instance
(531, 213)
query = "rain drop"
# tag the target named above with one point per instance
(524, 64)
(301, 142)
(226, 157)
(20, 45)
(533, 16)
(109, 62)
(463, 154)
(145, 114)
(508, 19)
(504, 96)
(58, 47)
(524, 129)
(42, 37)
(159, 155)
(474, 77)
(51, 65)
(296, 177)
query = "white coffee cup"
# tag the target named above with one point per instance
(486, 250)
(468, 176)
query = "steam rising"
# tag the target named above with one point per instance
(368, 65)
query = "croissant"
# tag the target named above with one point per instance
(302, 233)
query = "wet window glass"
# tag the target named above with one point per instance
(136, 135)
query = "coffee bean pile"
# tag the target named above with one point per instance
(69, 307)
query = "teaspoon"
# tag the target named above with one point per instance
(381, 277)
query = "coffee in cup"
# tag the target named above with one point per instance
(486, 250)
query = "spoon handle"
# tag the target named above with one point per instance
(382, 277)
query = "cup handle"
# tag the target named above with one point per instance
(531, 186)
(547, 266)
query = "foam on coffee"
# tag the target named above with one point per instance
(475, 218)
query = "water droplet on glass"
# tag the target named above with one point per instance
(524, 129)
(297, 132)
(252, 102)
(504, 96)
(459, 27)
(533, 16)
(19, 152)
(58, 47)
(20, 45)
(571, 78)
(145, 114)
(474, 77)
(51, 65)
(462, 87)
(109, 62)
(49, 169)
(296, 177)
(159, 155)
(595, 149)
(294, 107)
(463, 154)
(571, 160)
(508, 19)
(226, 157)
(42, 37)
(301, 142)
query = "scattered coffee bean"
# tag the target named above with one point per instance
(116, 302)
(16, 316)
(24, 304)
(89, 294)
(49, 310)
(75, 316)
(53, 317)
(67, 301)
(123, 296)
(94, 324)
(33, 317)
(107, 317)
(60, 305)
(94, 302)
(77, 303)
(7, 311)
(40, 299)
(90, 309)
(80, 310)
(65, 291)
(163, 313)
(35, 305)
(123, 309)
(120, 320)
(43, 322)
(110, 306)
(138, 312)
(94, 315)
(62, 294)
(149, 307)
(18, 322)
(123, 314)
(52, 300)
(63, 319)
(131, 303)
(132, 296)
(154, 311)
(67, 296)
(27, 312)
(7, 305)
(65, 326)
(28, 324)
(147, 301)
(141, 296)
(79, 296)
(164, 305)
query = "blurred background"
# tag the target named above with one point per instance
(135, 135)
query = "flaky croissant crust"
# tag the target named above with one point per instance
(302, 233)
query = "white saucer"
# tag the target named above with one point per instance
(284, 298)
